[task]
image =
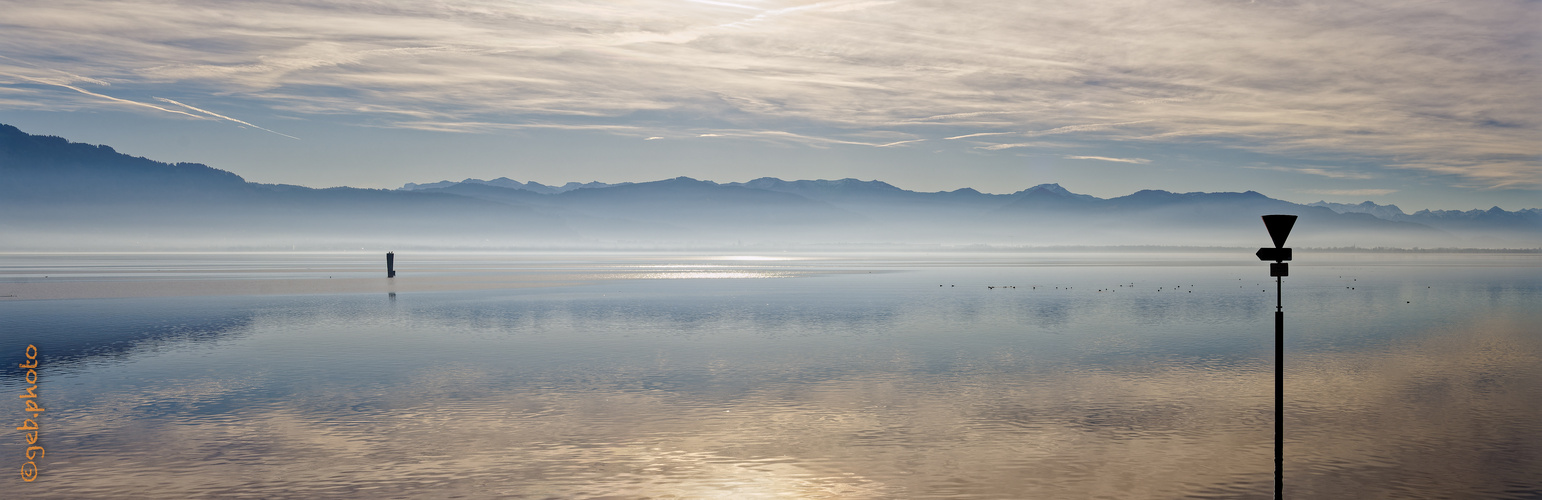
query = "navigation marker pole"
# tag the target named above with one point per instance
(1279, 228)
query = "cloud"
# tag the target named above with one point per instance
(1138, 161)
(1439, 88)
(1090, 127)
(726, 4)
(1047, 145)
(1069, 129)
(980, 134)
(783, 136)
(482, 127)
(953, 116)
(1332, 174)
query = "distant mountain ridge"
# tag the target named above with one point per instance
(1388, 212)
(61, 195)
(842, 192)
(1452, 220)
(828, 190)
(55, 194)
(55, 167)
(875, 208)
(506, 182)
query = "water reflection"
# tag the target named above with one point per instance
(832, 386)
(77, 331)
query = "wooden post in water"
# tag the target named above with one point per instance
(390, 264)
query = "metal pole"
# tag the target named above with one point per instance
(1279, 228)
(1279, 392)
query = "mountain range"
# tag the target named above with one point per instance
(1458, 221)
(62, 195)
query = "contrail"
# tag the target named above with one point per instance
(108, 97)
(217, 115)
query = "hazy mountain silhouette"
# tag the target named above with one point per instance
(1479, 226)
(1388, 212)
(62, 195)
(674, 209)
(36, 167)
(511, 183)
(874, 211)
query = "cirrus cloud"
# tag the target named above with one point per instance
(1137, 161)
(1441, 88)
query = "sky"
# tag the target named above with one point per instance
(1421, 103)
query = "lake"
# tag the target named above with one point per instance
(773, 375)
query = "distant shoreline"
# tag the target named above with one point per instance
(813, 248)
(1156, 248)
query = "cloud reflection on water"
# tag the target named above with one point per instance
(1426, 419)
(778, 389)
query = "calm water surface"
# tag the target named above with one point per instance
(821, 376)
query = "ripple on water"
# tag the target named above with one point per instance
(781, 389)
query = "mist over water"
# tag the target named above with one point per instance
(778, 376)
